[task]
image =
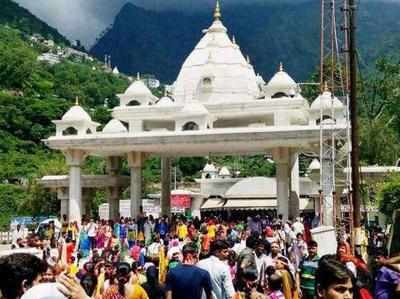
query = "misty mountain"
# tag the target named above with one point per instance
(86, 19)
(13, 15)
(158, 42)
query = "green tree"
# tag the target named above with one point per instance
(389, 195)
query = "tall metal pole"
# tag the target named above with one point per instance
(322, 52)
(354, 125)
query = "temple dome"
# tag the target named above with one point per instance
(325, 102)
(224, 172)
(137, 94)
(193, 108)
(210, 168)
(216, 70)
(114, 126)
(165, 101)
(76, 113)
(281, 82)
(314, 165)
(138, 89)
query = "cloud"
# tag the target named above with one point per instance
(76, 19)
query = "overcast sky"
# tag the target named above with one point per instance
(85, 19)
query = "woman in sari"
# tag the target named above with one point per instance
(288, 281)
(101, 236)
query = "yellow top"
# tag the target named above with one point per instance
(182, 231)
(137, 292)
(211, 229)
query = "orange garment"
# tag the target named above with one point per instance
(205, 243)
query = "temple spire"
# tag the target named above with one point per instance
(233, 40)
(138, 76)
(217, 12)
(76, 101)
(281, 67)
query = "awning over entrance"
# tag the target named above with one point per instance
(213, 204)
(250, 204)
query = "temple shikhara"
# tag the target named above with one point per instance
(218, 105)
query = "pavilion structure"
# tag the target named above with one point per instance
(216, 106)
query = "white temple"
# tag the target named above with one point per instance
(217, 105)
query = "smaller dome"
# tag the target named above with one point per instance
(138, 89)
(194, 108)
(224, 171)
(115, 71)
(326, 101)
(114, 126)
(281, 80)
(165, 101)
(209, 168)
(314, 165)
(76, 113)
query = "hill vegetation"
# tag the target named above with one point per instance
(15, 16)
(32, 94)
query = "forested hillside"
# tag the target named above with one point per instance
(15, 16)
(32, 94)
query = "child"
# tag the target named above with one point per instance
(275, 287)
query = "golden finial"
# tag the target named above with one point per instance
(138, 76)
(281, 67)
(76, 101)
(217, 12)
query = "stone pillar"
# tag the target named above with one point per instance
(63, 195)
(113, 193)
(294, 185)
(135, 163)
(281, 158)
(165, 186)
(197, 202)
(75, 159)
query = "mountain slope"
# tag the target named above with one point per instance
(158, 42)
(15, 16)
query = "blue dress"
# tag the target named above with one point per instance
(84, 244)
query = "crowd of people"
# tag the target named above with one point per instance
(180, 258)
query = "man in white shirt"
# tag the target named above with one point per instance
(92, 231)
(17, 234)
(262, 262)
(298, 227)
(221, 280)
